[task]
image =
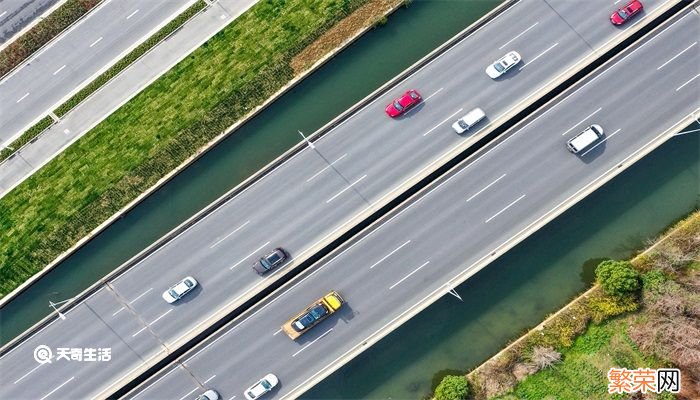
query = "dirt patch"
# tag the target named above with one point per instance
(370, 14)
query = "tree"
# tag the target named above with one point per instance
(452, 387)
(618, 278)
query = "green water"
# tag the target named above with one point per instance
(532, 280)
(357, 71)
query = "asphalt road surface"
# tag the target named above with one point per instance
(314, 193)
(416, 251)
(67, 64)
(16, 14)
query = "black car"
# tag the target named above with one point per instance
(270, 261)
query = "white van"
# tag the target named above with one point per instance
(585, 139)
(468, 120)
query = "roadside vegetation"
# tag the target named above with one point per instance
(101, 80)
(26, 137)
(642, 313)
(171, 120)
(140, 50)
(55, 23)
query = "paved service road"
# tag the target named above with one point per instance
(118, 91)
(66, 65)
(304, 200)
(16, 14)
(415, 252)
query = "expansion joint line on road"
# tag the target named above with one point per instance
(125, 304)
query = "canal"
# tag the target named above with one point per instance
(357, 71)
(500, 302)
(534, 279)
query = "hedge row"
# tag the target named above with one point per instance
(26, 137)
(55, 23)
(171, 27)
(218, 84)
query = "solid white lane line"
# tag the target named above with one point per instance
(132, 14)
(445, 120)
(152, 322)
(249, 255)
(538, 56)
(212, 377)
(314, 341)
(487, 186)
(234, 396)
(601, 142)
(677, 55)
(326, 167)
(27, 374)
(141, 295)
(59, 70)
(687, 82)
(438, 91)
(227, 236)
(278, 331)
(96, 41)
(348, 187)
(59, 386)
(390, 254)
(118, 311)
(520, 34)
(505, 208)
(23, 97)
(581, 121)
(189, 393)
(617, 1)
(406, 277)
(3, 13)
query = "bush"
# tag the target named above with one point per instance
(603, 306)
(452, 387)
(617, 278)
(653, 280)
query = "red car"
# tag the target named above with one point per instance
(403, 103)
(621, 16)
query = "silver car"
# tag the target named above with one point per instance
(502, 66)
(178, 290)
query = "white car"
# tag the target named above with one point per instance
(177, 291)
(261, 387)
(502, 66)
(209, 395)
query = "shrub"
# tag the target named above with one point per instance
(452, 387)
(603, 306)
(617, 278)
(652, 280)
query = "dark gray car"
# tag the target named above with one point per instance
(270, 261)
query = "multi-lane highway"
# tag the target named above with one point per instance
(360, 163)
(67, 64)
(454, 227)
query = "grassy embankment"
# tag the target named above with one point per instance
(92, 87)
(658, 326)
(218, 84)
(642, 313)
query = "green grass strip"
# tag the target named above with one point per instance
(55, 23)
(584, 367)
(26, 137)
(171, 27)
(162, 126)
